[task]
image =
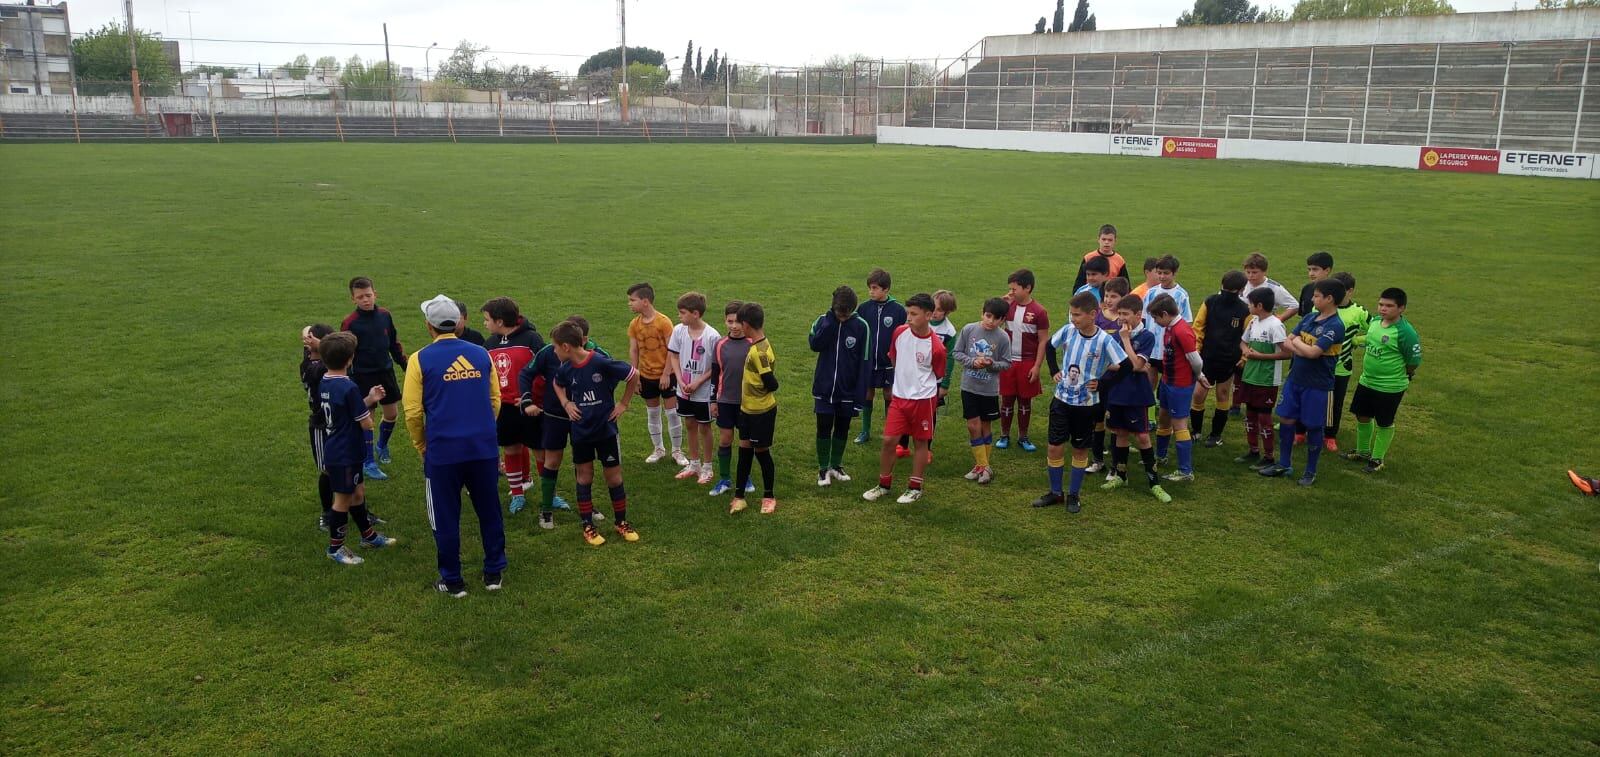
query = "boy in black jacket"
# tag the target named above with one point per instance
(378, 350)
(842, 340)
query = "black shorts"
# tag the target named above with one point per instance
(554, 432)
(604, 450)
(512, 427)
(1131, 418)
(699, 412)
(1379, 406)
(385, 379)
(979, 406)
(317, 436)
(1071, 423)
(880, 378)
(345, 478)
(1219, 369)
(728, 415)
(757, 428)
(838, 409)
(650, 388)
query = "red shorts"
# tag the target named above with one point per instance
(1014, 382)
(1259, 399)
(913, 418)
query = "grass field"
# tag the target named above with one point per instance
(165, 590)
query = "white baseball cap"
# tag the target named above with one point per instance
(442, 313)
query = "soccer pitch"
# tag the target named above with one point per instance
(166, 590)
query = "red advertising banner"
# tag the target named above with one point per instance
(1188, 147)
(1459, 159)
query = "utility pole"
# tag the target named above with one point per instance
(133, 58)
(193, 56)
(622, 22)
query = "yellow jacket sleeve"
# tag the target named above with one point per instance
(411, 399)
(1200, 327)
(494, 392)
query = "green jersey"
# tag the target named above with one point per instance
(1391, 350)
(1264, 335)
(1355, 320)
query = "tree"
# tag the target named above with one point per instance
(1212, 12)
(688, 63)
(697, 62)
(221, 72)
(366, 82)
(326, 67)
(1039, 27)
(722, 72)
(710, 74)
(522, 82)
(1545, 5)
(101, 60)
(1061, 16)
(462, 65)
(1082, 19)
(645, 80)
(1313, 10)
(611, 57)
(298, 68)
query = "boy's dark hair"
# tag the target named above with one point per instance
(879, 278)
(844, 300)
(568, 333)
(1084, 302)
(644, 291)
(1022, 277)
(1118, 285)
(732, 308)
(997, 307)
(1395, 295)
(1163, 304)
(1264, 297)
(1256, 260)
(1151, 263)
(1331, 287)
(581, 322)
(752, 316)
(1098, 265)
(504, 310)
(945, 300)
(1131, 303)
(693, 302)
(1320, 259)
(337, 350)
(1108, 229)
(921, 300)
(1167, 263)
(360, 282)
(1234, 281)
(1346, 278)
(320, 330)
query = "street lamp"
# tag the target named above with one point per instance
(427, 70)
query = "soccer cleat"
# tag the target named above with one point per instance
(1179, 476)
(547, 521)
(972, 475)
(1357, 456)
(737, 505)
(657, 456)
(863, 437)
(344, 556)
(373, 519)
(1249, 458)
(749, 486)
(1095, 466)
(560, 503)
(322, 523)
(1161, 462)
(986, 475)
(1376, 464)
(768, 505)
(1213, 441)
(1049, 499)
(456, 590)
(1307, 480)
(909, 496)
(1585, 485)
(687, 472)
(1265, 462)
(382, 454)
(1073, 505)
(492, 581)
(518, 502)
(680, 458)
(723, 487)
(1275, 471)
(379, 541)
(874, 494)
(1113, 482)
(1160, 494)
(372, 472)
(823, 479)
(1330, 444)
(591, 535)
(901, 452)
(705, 476)
(1027, 445)
(626, 530)
(1003, 442)
(838, 475)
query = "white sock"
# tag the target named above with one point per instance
(675, 428)
(652, 422)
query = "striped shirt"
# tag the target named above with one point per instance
(1179, 295)
(1084, 359)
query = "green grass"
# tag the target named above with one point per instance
(164, 589)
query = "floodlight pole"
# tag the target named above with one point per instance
(133, 58)
(622, 24)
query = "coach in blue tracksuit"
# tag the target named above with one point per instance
(843, 343)
(451, 397)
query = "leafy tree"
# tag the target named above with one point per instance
(366, 82)
(688, 63)
(1312, 10)
(1212, 12)
(1060, 19)
(462, 65)
(698, 60)
(612, 58)
(527, 83)
(1039, 27)
(645, 80)
(326, 67)
(1545, 5)
(1082, 19)
(710, 74)
(722, 72)
(299, 67)
(101, 60)
(221, 72)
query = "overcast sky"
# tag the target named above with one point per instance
(561, 34)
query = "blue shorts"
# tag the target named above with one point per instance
(841, 409)
(345, 478)
(554, 432)
(1131, 418)
(1176, 399)
(1311, 407)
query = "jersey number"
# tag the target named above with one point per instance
(327, 416)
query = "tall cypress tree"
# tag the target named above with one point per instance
(698, 60)
(1061, 17)
(688, 62)
(711, 67)
(1082, 20)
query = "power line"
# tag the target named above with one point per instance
(354, 44)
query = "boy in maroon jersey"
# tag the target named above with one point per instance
(1026, 320)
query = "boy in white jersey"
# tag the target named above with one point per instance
(689, 353)
(918, 355)
(1262, 375)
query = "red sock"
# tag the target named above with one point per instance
(514, 472)
(886, 481)
(1024, 409)
(916, 482)
(1250, 430)
(1268, 435)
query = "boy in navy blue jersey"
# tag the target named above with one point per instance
(841, 339)
(536, 382)
(311, 371)
(1314, 345)
(377, 351)
(1129, 397)
(586, 384)
(883, 315)
(345, 415)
